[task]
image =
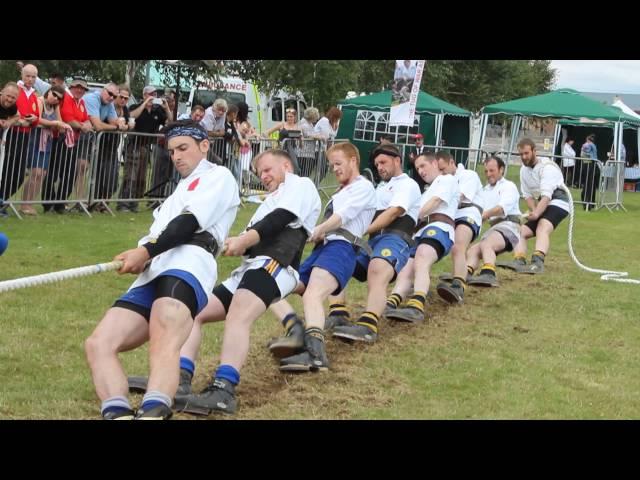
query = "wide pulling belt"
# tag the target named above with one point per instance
(352, 239)
(508, 218)
(559, 194)
(440, 217)
(402, 234)
(204, 240)
(470, 204)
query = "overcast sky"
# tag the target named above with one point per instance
(613, 76)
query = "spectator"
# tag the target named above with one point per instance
(214, 118)
(568, 161)
(149, 116)
(70, 153)
(309, 119)
(246, 133)
(327, 126)
(19, 139)
(231, 139)
(197, 114)
(290, 124)
(590, 175)
(414, 153)
(8, 117)
(51, 125)
(103, 117)
(40, 85)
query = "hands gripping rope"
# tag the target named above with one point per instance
(59, 276)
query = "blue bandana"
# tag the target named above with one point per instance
(194, 131)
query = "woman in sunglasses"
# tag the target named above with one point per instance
(290, 123)
(50, 126)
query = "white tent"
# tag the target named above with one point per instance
(622, 106)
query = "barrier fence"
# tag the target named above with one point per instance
(122, 171)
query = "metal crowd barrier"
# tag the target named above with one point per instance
(40, 168)
(612, 185)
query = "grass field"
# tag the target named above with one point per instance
(559, 345)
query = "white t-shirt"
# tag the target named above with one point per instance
(356, 205)
(445, 187)
(569, 155)
(296, 194)
(503, 193)
(323, 128)
(210, 193)
(401, 191)
(542, 180)
(470, 188)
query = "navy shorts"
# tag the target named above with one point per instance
(437, 238)
(337, 257)
(145, 295)
(469, 222)
(389, 247)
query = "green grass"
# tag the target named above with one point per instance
(559, 345)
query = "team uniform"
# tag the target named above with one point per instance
(545, 179)
(505, 194)
(210, 193)
(356, 205)
(439, 232)
(470, 208)
(392, 243)
(278, 256)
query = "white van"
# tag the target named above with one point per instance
(264, 111)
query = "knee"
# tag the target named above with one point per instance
(458, 250)
(378, 269)
(96, 346)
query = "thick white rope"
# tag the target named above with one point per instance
(608, 275)
(7, 285)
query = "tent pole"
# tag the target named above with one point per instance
(515, 127)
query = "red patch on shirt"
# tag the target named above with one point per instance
(193, 185)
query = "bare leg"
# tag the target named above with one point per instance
(321, 284)
(213, 312)
(425, 257)
(458, 252)
(379, 275)
(543, 232)
(525, 234)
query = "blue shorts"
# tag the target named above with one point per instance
(36, 158)
(387, 246)
(337, 257)
(145, 295)
(469, 222)
(437, 238)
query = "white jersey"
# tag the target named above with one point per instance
(505, 194)
(401, 191)
(470, 192)
(444, 187)
(356, 205)
(542, 180)
(297, 195)
(210, 193)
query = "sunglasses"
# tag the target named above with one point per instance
(111, 94)
(290, 110)
(124, 98)
(59, 97)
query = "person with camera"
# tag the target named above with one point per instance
(150, 114)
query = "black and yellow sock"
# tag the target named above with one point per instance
(538, 255)
(369, 320)
(519, 256)
(315, 332)
(488, 268)
(461, 281)
(339, 310)
(417, 301)
(394, 300)
(289, 321)
(470, 270)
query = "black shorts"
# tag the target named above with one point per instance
(257, 281)
(552, 214)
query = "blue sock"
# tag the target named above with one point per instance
(228, 373)
(153, 399)
(188, 365)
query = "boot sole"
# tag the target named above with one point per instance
(398, 316)
(302, 368)
(528, 271)
(284, 351)
(449, 296)
(349, 336)
(508, 265)
(481, 283)
(203, 411)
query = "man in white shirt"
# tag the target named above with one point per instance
(332, 263)
(390, 239)
(433, 240)
(271, 248)
(176, 263)
(468, 221)
(214, 118)
(501, 209)
(568, 160)
(543, 189)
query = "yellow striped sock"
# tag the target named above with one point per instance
(369, 320)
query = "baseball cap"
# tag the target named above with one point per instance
(148, 89)
(419, 135)
(79, 82)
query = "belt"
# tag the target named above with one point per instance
(440, 217)
(471, 204)
(204, 240)
(402, 234)
(352, 239)
(558, 194)
(508, 218)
